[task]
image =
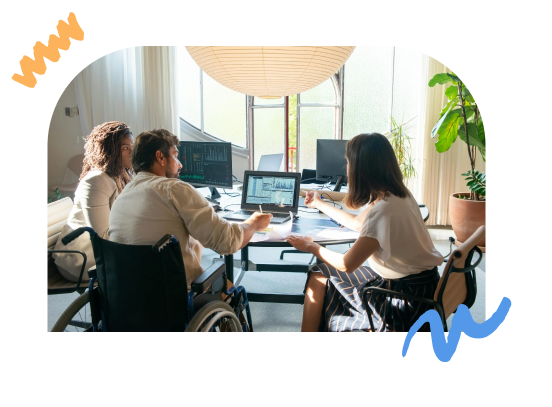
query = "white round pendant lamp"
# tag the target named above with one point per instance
(270, 72)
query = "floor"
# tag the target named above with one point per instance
(268, 317)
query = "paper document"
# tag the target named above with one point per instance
(276, 233)
(321, 229)
(316, 228)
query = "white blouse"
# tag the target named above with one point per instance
(405, 245)
(94, 197)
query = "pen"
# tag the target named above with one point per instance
(261, 209)
(337, 223)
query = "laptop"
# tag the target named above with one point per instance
(270, 162)
(275, 192)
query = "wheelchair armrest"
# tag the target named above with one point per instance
(78, 252)
(208, 277)
(76, 233)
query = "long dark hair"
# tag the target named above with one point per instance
(103, 152)
(373, 170)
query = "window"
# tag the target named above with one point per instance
(318, 112)
(376, 83)
(211, 108)
(268, 127)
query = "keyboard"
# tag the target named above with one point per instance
(249, 213)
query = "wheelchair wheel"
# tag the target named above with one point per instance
(76, 318)
(216, 316)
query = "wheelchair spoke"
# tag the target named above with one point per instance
(217, 316)
(77, 315)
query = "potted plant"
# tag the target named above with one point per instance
(400, 142)
(461, 118)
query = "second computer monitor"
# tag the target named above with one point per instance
(207, 164)
(331, 164)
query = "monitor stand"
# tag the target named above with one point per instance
(214, 195)
(339, 183)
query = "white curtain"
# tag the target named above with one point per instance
(136, 86)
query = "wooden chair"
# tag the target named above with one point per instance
(456, 286)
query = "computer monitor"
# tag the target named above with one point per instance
(331, 164)
(270, 162)
(206, 164)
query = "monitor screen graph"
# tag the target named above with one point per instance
(269, 190)
(206, 163)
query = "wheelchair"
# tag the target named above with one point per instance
(143, 288)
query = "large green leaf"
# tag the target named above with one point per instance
(440, 78)
(469, 112)
(474, 136)
(481, 130)
(481, 134)
(448, 131)
(437, 126)
(451, 92)
(453, 77)
(451, 103)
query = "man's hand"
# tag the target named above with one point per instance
(312, 198)
(301, 243)
(259, 221)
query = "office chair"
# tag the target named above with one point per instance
(143, 288)
(456, 286)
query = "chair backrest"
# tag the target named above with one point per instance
(141, 289)
(310, 176)
(75, 164)
(58, 212)
(459, 287)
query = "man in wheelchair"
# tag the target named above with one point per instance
(143, 288)
(157, 203)
(157, 228)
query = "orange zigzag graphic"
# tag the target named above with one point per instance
(41, 51)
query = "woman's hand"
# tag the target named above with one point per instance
(312, 198)
(301, 243)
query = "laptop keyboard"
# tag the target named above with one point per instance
(249, 213)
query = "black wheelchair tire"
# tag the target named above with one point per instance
(214, 309)
(72, 310)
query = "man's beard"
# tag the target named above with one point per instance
(170, 174)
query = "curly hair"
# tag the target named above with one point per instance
(103, 152)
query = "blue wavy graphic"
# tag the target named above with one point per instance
(461, 321)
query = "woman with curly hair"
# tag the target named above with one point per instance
(106, 169)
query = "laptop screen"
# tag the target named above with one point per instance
(270, 190)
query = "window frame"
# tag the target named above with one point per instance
(201, 135)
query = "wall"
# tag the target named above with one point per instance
(65, 139)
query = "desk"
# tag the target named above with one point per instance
(246, 265)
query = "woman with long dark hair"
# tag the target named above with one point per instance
(393, 238)
(106, 169)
